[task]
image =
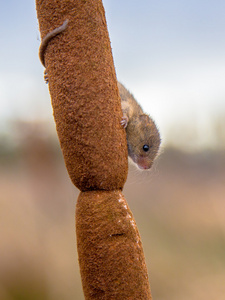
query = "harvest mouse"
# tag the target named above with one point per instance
(143, 138)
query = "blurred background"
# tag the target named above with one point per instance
(170, 55)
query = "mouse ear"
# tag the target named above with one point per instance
(144, 118)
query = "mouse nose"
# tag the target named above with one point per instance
(145, 167)
(144, 163)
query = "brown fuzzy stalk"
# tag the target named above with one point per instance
(110, 251)
(87, 112)
(85, 97)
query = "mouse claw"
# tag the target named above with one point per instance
(124, 122)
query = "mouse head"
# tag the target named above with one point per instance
(143, 141)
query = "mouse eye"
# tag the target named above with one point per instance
(145, 148)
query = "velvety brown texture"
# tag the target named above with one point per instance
(111, 257)
(84, 93)
(87, 111)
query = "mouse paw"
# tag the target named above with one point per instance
(46, 77)
(124, 122)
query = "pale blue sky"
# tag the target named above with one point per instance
(169, 54)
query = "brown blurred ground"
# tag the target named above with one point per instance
(179, 208)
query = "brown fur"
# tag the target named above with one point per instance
(140, 130)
